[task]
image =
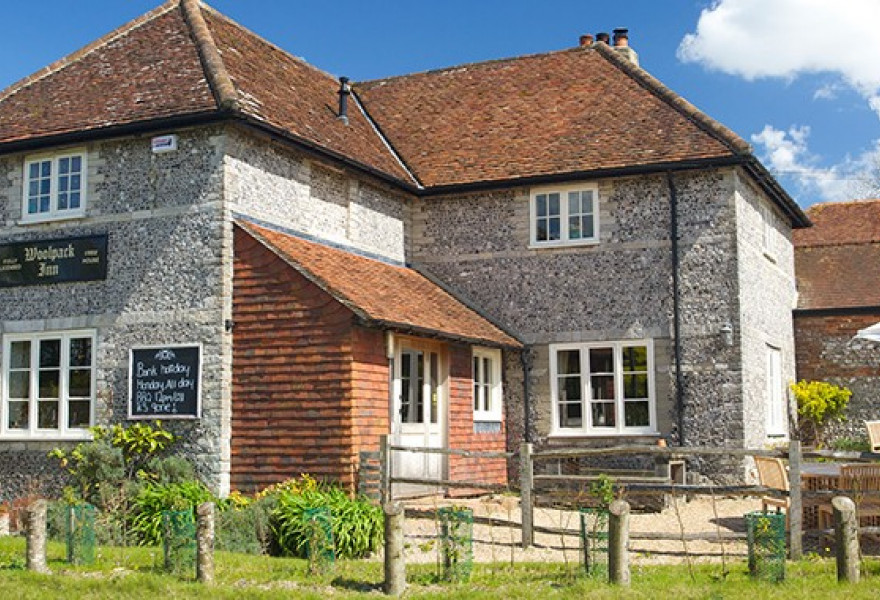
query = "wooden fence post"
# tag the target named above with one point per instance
(795, 505)
(846, 536)
(35, 519)
(395, 566)
(205, 542)
(384, 470)
(618, 541)
(526, 481)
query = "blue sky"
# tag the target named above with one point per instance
(799, 79)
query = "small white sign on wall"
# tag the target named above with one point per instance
(164, 143)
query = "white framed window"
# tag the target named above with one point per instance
(48, 386)
(564, 215)
(603, 388)
(776, 399)
(768, 232)
(488, 393)
(54, 186)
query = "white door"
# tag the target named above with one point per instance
(418, 415)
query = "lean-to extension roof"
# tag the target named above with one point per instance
(837, 261)
(182, 60)
(388, 295)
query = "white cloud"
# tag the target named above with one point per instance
(786, 38)
(787, 155)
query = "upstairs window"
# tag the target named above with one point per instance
(54, 186)
(487, 385)
(565, 215)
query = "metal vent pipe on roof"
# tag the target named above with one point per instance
(344, 93)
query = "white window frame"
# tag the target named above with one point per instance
(33, 432)
(777, 414)
(488, 399)
(54, 213)
(768, 232)
(587, 428)
(565, 234)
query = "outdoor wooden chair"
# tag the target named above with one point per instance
(873, 428)
(772, 474)
(854, 481)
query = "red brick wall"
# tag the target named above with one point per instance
(369, 388)
(291, 384)
(461, 426)
(823, 348)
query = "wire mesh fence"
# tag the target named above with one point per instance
(179, 541)
(80, 534)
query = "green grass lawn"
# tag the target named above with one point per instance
(133, 573)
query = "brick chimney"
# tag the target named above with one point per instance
(621, 46)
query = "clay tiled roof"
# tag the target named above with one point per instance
(837, 261)
(393, 296)
(576, 110)
(145, 70)
(185, 59)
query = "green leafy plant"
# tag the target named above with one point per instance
(357, 525)
(155, 498)
(602, 489)
(819, 404)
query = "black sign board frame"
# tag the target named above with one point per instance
(59, 260)
(165, 382)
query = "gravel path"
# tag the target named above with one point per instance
(501, 543)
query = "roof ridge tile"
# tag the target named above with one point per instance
(88, 48)
(215, 70)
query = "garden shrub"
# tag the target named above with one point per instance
(154, 498)
(357, 524)
(819, 403)
(244, 525)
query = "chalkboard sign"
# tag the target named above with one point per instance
(165, 382)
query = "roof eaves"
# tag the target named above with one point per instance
(218, 78)
(85, 50)
(407, 328)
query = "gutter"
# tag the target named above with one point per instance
(834, 311)
(676, 306)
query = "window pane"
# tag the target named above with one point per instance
(64, 166)
(555, 232)
(76, 164)
(603, 414)
(635, 386)
(20, 355)
(570, 415)
(49, 383)
(63, 184)
(568, 362)
(80, 383)
(62, 201)
(46, 168)
(635, 358)
(75, 183)
(603, 387)
(601, 360)
(18, 415)
(44, 203)
(476, 383)
(33, 189)
(47, 415)
(20, 385)
(50, 353)
(81, 352)
(45, 187)
(569, 388)
(33, 170)
(74, 200)
(433, 385)
(553, 203)
(636, 414)
(541, 205)
(78, 414)
(32, 206)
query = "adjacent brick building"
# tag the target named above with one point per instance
(837, 263)
(201, 227)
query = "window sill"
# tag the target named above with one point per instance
(591, 436)
(85, 436)
(559, 245)
(53, 219)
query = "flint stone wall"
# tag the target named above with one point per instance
(167, 241)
